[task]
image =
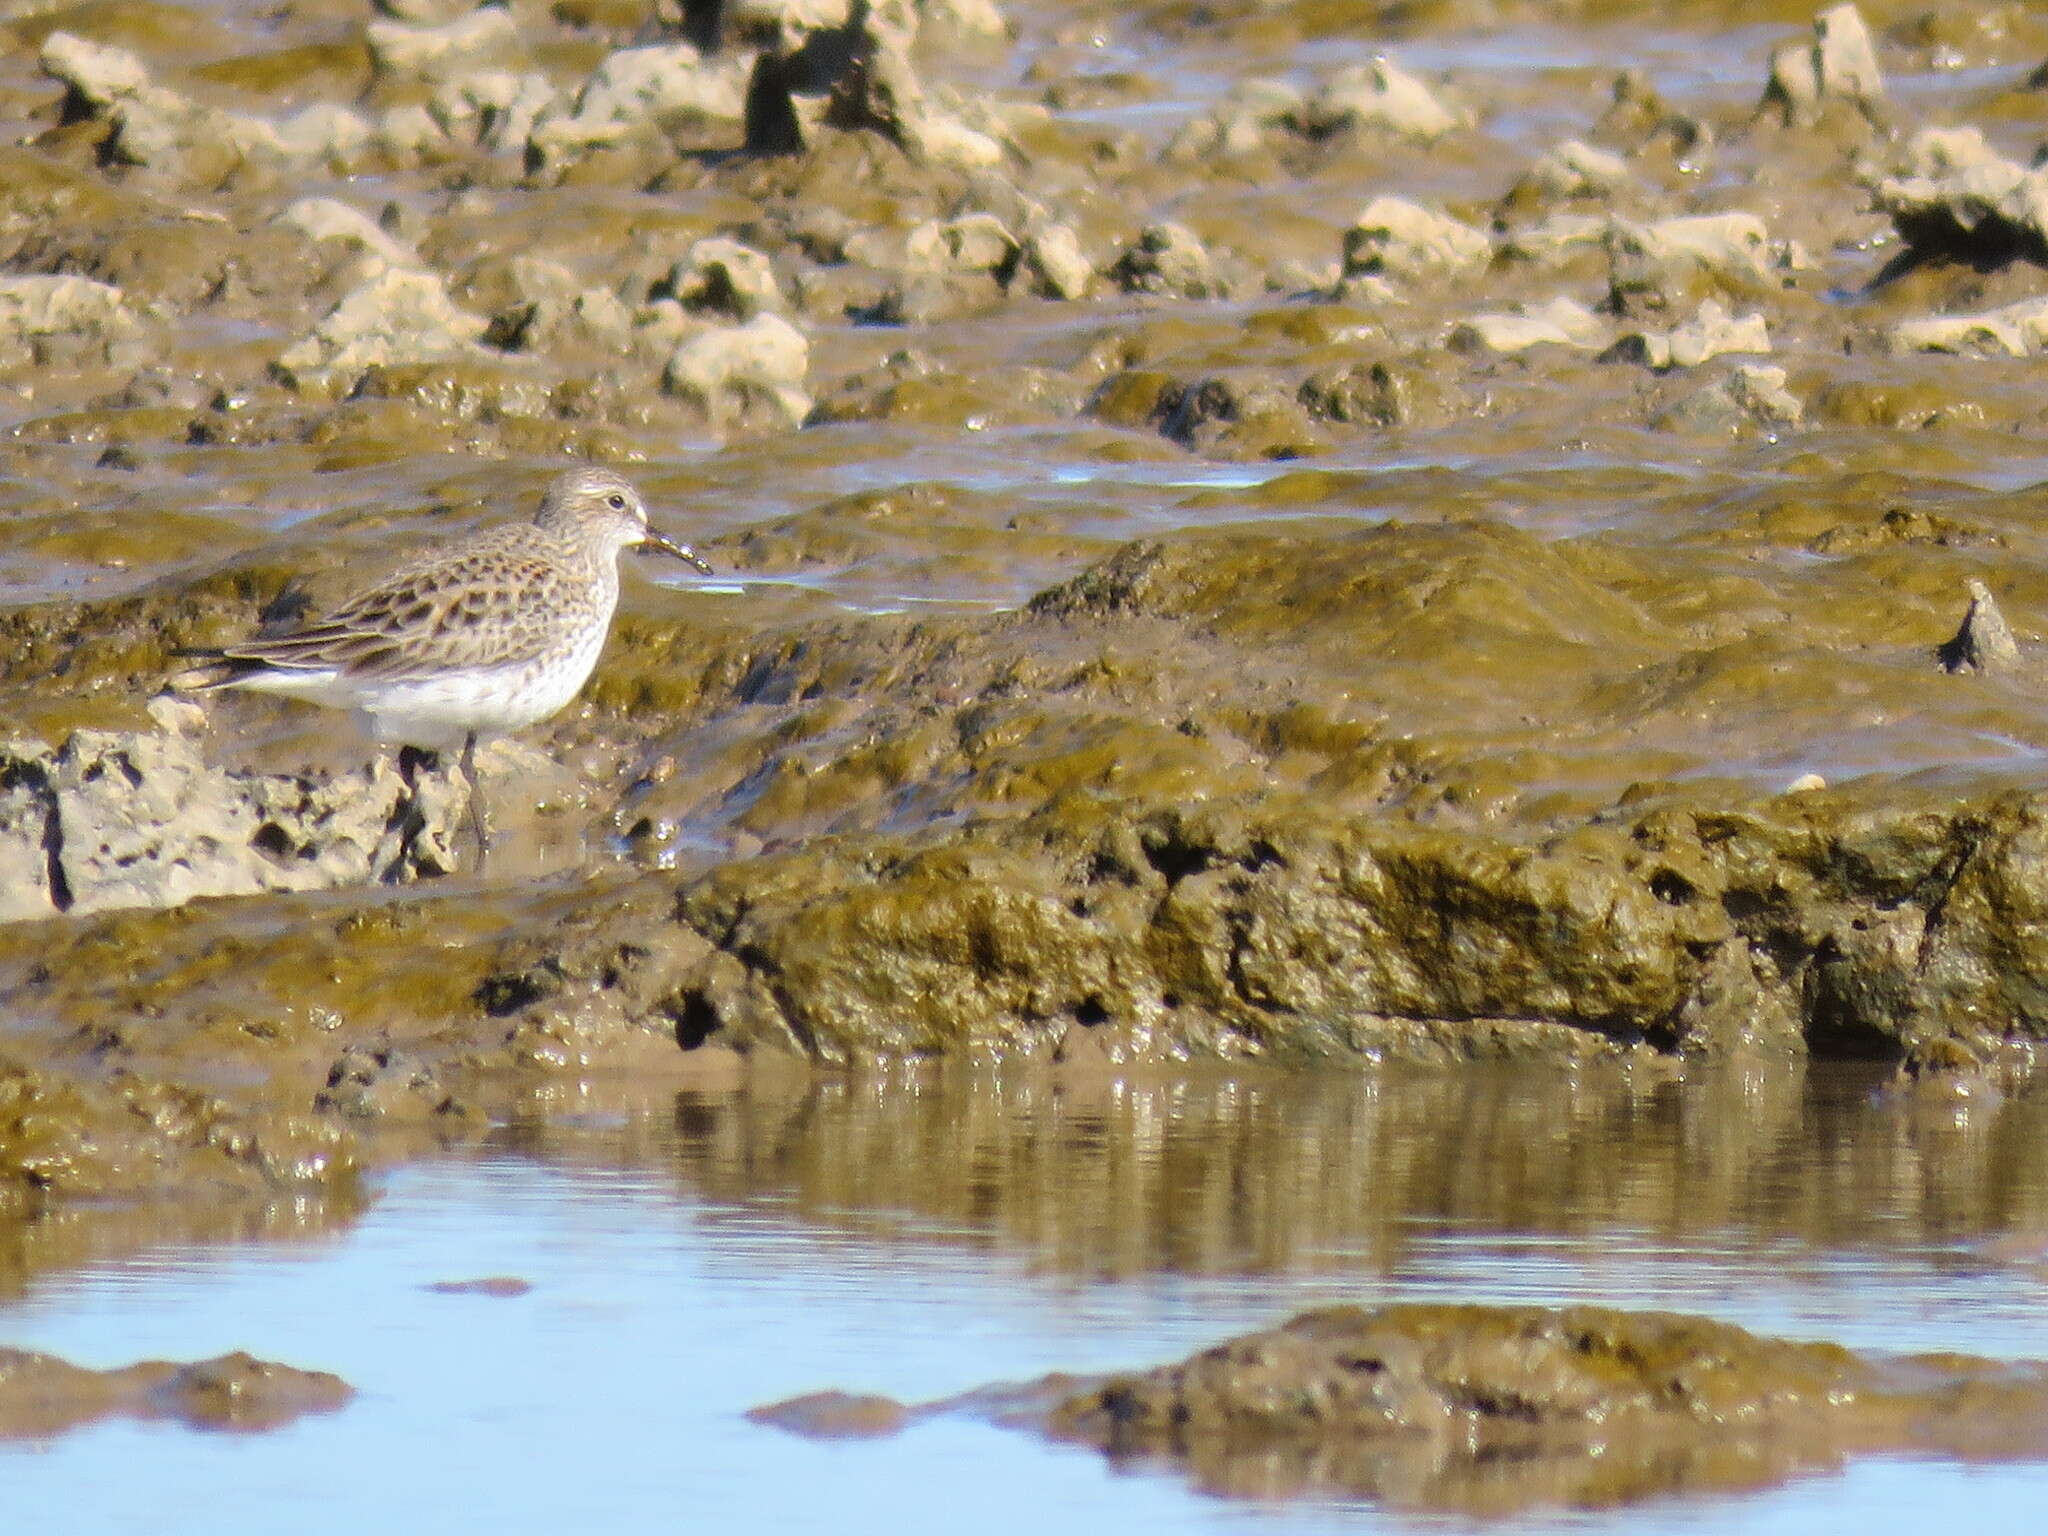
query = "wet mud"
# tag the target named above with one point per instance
(42, 1396)
(1497, 1411)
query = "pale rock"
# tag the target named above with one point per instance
(1379, 95)
(1840, 64)
(494, 109)
(1560, 322)
(723, 276)
(2019, 329)
(139, 819)
(1577, 169)
(484, 37)
(1058, 267)
(397, 316)
(1710, 333)
(975, 242)
(1959, 198)
(1395, 238)
(1557, 240)
(325, 219)
(95, 75)
(728, 371)
(1649, 264)
(939, 138)
(324, 132)
(968, 18)
(636, 84)
(42, 312)
(1167, 259)
(409, 134)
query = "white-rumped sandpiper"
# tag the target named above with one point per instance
(473, 640)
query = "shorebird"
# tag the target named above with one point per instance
(470, 641)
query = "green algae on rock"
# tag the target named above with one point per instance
(121, 1135)
(1496, 1411)
(1491, 1410)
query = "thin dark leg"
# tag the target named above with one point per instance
(476, 803)
(414, 761)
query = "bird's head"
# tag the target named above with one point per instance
(601, 505)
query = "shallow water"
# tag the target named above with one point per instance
(691, 1260)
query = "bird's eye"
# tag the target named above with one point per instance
(616, 502)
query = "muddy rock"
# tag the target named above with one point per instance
(1710, 333)
(380, 1083)
(1377, 96)
(1245, 121)
(1396, 238)
(587, 321)
(1838, 66)
(484, 38)
(1167, 259)
(60, 319)
(1748, 396)
(721, 276)
(140, 820)
(42, 1396)
(742, 375)
(1985, 642)
(1653, 266)
(1958, 199)
(1560, 322)
(1242, 415)
(399, 316)
(1504, 1409)
(123, 1135)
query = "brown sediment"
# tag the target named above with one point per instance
(1497, 1411)
(1494, 1410)
(42, 1396)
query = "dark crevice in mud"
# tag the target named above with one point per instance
(53, 854)
(1940, 887)
(787, 1008)
(276, 845)
(506, 994)
(1841, 1013)
(1672, 888)
(696, 1021)
(1173, 858)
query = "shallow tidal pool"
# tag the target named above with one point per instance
(689, 1261)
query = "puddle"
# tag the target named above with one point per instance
(686, 1262)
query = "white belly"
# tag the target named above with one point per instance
(438, 712)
